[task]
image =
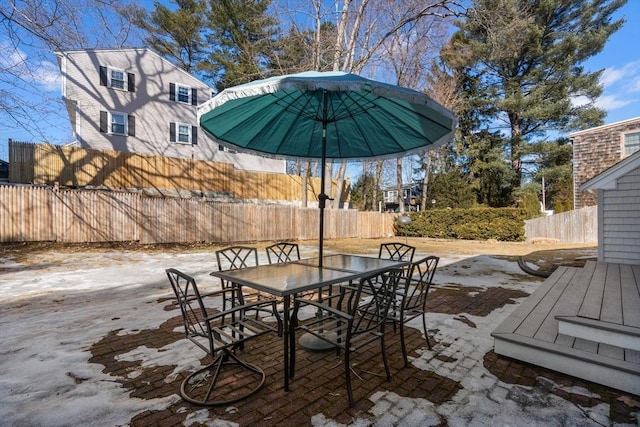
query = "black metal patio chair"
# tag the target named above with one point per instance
(396, 251)
(413, 299)
(351, 328)
(283, 252)
(410, 300)
(227, 378)
(234, 258)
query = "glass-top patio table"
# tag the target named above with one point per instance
(287, 279)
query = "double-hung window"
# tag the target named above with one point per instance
(183, 93)
(631, 142)
(117, 123)
(183, 133)
(117, 78)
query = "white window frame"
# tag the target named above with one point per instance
(110, 122)
(188, 88)
(624, 142)
(189, 133)
(391, 196)
(125, 82)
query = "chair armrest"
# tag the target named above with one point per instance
(322, 306)
(243, 307)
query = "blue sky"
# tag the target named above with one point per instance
(620, 61)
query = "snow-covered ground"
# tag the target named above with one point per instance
(55, 308)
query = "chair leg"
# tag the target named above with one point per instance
(384, 358)
(192, 385)
(402, 343)
(426, 332)
(347, 371)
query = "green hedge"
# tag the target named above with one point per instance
(504, 224)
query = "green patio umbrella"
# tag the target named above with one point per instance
(325, 115)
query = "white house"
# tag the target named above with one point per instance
(133, 100)
(618, 195)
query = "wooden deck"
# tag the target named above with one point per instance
(583, 322)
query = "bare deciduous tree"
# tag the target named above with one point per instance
(31, 31)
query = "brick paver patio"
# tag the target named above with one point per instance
(318, 389)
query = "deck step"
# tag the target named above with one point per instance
(601, 332)
(612, 372)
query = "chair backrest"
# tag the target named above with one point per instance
(235, 257)
(371, 313)
(193, 310)
(283, 252)
(396, 251)
(416, 287)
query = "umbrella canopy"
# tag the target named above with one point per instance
(287, 116)
(325, 115)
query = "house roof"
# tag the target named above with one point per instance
(610, 125)
(607, 180)
(130, 49)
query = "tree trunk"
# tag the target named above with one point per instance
(399, 184)
(376, 184)
(425, 180)
(340, 179)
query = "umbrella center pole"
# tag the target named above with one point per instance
(322, 197)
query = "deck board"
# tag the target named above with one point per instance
(630, 295)
(611, 351)
(611, 305)
(536, 318)
(592, 303)
(515, 319)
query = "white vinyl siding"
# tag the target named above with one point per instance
(620, 223)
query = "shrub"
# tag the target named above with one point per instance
(504, 224)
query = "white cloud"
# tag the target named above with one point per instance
(15, 58)
(613, 75)
(17, 63)
(611, 102)
(48, 75)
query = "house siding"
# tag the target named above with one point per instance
(620, 241)
(150, 104)
(594, 151)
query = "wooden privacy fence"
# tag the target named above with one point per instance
(45, 164)
(29, 214)
(577, 226)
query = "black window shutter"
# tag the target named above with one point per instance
(172, 91)
(131, 125)
(103, 76)
(194, 96)
(131, 81)
(194, 135)
(104, 125)
(172, 132)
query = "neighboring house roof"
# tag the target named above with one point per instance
(597, 128)
(607, 179)
(133, 49)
